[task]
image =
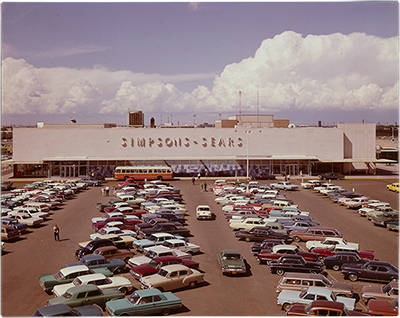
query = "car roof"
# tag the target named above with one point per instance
(158, 248)
(284, 246)
(54, 310)
(83, 288)
(175, 241)
(319, 290)
(93, 257)
(147, 292)
(89, 277)
(303, 275)
(175, 267)
(106, 248)
(230, 251)
(73, 269)
(159, 234)
(326, 304)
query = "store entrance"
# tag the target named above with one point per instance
(292, 169)
(69, 171)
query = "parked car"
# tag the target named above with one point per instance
(86, 295)
(67, 275)
(203, 212)
(100, 280)
(112, 230)
(393, 187)
(314, 233)
(157, 251)
(112, 252)
(22, 227)
(329, 242)
(231, 262)
(266, 245)
(182, 245)
(324, 252)
(294, 263)
(144, 302)
(299, 225)
(164, 227)
(246, 224)
(9, 232)
(91, 246)
(388, 292)
(322, 308)
(372, 270)
(91, 181)
(6, 185)
(331, 176)
(343, 258)
(261, 233)
(385, 218)
(156, 263)
(284, 185)
(288, 297)
(27, 219)
(302, 281)
(154, 239)
(280, 250)
(265, 176)
(393, 225)
(60, 310)
(383, 307)
(115, 266)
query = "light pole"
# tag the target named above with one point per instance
(248, 132)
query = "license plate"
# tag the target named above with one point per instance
(234, 273)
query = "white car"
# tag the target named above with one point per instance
(370, 207)
(310, 184)
(113, 230)
(284, 185)
(246, 224)
(203, 212)
(356, 203)
(328, 190)
(114, 215)
(181, 245)
(100, 280)
(329, 242)
(33, 212)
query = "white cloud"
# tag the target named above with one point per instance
(342, 72)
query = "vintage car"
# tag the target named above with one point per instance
(318, 233)
(86, 295)
(157, 251)
(115, 266)
(266, 245)
(154, 239)
(265, 176)
(33, 212)
(261, 233)
(246, 224)
(302, 281)
(91, 246)
(203, 212)
(331, 176)
(144, 302)
(388, 292)
(280, 250)
(343, 258)
(329, 242)
(67, 275)
(129, 222)
(288, 297)
(284, 185)
(101, 206)
(156, 263)
(9, 233)
(100, 280)
(182, 245)
(27, 219)
(164, 227)
(231, 262)
(393, 225)
(60, 310)
(370, 207)
(322, 308)
(112, 230)
(299, 225)
(22, 227)
(324, 252)
(6, 185)
(124, 241)
(393, 187)
(112, 252)
(114, 215)
(372, 270)
(383, 307)
(172, 277)
(385, 218)
(379, 211)
(294, 263)
(310, 184)
(91, 181)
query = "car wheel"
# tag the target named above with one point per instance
(192, 284)
(124, 290)
(353, 277)
(247, 239)
(280, 272)
(296, 239)
(118, 270)
(165, 311)
(286, 306)
(336, 267)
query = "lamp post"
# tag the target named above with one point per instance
(248, 132)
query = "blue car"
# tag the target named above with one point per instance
(99, 261)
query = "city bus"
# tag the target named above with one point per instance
(143, 173)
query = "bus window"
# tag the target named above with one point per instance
(123, 171)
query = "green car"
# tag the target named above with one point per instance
(86, 295)
(67, 275)
(231, 262)
(385, 218)
(144, 302)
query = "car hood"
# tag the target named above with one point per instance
(119, 304)
(59, 290)
(289, 295)
(139, 260)
(337, 286)
(371, 289)
(144, 269)
(47, 278)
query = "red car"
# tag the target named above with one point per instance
(156, 263)
(279, 250)
(324, 252)
(98, 225)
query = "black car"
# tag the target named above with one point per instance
(99, 261)
(164, 227)
(22, 227)
(265, 176)
(331, 176)
(343, 258)
(261, 233)
(172, 218)
(265, 245)
(372, 270)
(96, 243)
(294, 263)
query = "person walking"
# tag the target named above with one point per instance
(103, 191)
(205, 186)
(193, 179)
(107, 190)
(56, 231)
(201, 187)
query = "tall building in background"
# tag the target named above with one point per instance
(135, 118)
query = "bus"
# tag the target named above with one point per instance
(143, 173)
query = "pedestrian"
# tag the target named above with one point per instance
(107, 191)
(56, 231)
(193, 179)
(201, 186)
(103, 191)
(198, 176)
(205, 186)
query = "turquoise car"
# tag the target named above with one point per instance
(144, 302)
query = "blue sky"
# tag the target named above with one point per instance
(334, 62)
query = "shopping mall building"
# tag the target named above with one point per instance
(261, 143)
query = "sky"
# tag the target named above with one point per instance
(186, 63)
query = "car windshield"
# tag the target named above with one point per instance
(134, 298)
(67, 295)
(386, 289)
(77, 282)
(154, 264)
(233, 257)
(59, 276)
(327, 282)
(152, 238)
(150, 254)
(163, 273)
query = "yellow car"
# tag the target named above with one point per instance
(393, 187)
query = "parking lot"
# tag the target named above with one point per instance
(253, 294)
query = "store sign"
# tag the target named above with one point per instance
(178, 142)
